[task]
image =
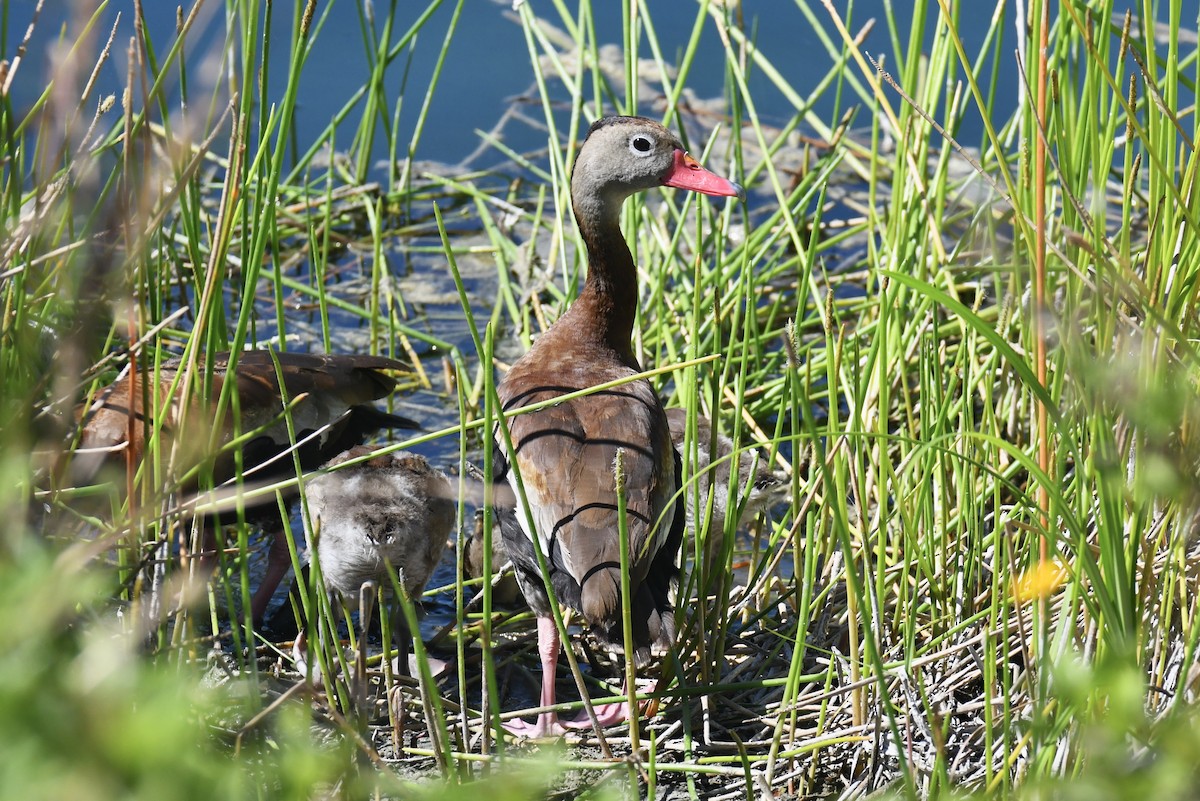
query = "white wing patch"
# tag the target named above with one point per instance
(543, 514)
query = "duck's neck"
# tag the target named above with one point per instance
(606, 308)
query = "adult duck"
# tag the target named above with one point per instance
(566, 453)
(327, 397)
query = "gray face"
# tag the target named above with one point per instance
(621, 155)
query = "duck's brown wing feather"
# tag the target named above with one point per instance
(331, 385)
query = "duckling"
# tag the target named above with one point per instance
(758, 485)
(388, 515)
(504, 587)
(391, 513)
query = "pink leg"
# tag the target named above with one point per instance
(198, 566)
(547, 724)
(206, 559)
(279, 560)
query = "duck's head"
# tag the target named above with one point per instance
(623, 155)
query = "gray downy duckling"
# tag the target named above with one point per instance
(390, 513)
(758, 485)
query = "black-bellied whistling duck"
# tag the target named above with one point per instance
(328, 395)
(392, 512)
(566, 453)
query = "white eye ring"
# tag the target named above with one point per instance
(641, 145)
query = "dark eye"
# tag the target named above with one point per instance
(641, 145)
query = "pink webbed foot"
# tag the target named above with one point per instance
(618, 713)
(279, 562)
(546, 726)
(549, 724)
(606, 715)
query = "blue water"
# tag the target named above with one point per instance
(488, 60)
(487, 64)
